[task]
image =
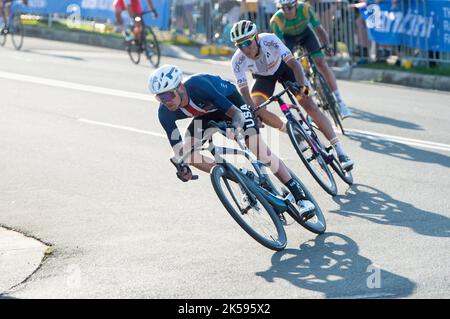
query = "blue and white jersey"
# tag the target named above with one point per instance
(207, 94)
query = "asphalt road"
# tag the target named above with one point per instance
(84, 167)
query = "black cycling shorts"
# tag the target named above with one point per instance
(199, 125)
(307, 39)
(265, 84)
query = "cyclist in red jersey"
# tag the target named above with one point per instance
(134, 8)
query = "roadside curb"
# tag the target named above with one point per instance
(20, 257)
(423, 81)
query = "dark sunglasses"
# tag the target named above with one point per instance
(166, 96)
(245, 43)
(287, 8)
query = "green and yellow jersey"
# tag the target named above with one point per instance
(305, 15)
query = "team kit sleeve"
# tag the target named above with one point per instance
(212, 94)
(313, 19)
(276, 25)
(238, 63)
(167, 120)
(282, 49)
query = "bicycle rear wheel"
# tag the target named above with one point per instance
(134, 52)
(258, 219)
(317, 224)
(313, 161)
(16, 31)
(151, 48)
(327, 98)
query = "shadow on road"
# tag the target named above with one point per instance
(376, 118)
(401, 151)
(331, 264)
(70, 57)
(376, 206)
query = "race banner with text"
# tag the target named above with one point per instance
(100, 9)
(422, 24)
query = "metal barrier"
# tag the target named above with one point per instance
(406, 30)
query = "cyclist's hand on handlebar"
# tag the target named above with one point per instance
(298, 89)
(185, 173)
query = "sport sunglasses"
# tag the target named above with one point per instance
(287, 8)
(166, 96)
(245, 43)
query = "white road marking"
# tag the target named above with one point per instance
(399, 139)
(76, 86)
(121, 127)
(148, 97)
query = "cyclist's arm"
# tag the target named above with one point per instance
(150, 5)
(239, 66)
(322, 34)
(237, 118)
(167, 120)
(276, 26)
(298, 71)
(291, 62)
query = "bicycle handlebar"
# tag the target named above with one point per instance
(307, 54)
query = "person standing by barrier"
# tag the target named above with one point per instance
(134, 8)
(293, 23)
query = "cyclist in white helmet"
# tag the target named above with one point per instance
(269, 61)
(206, 97)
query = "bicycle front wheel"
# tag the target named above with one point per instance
(133, 51)
(257, 217)
(317, 224)
(151, 48)
(313, 160)
(16, 30)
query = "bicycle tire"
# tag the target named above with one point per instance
(151, 47)
(330, 185)
(16, 31)
(279, 243)
(346, 176)
(133, 51)
(317, 224)
(2, 38)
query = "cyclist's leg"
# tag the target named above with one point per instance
(119, 7)
(194, 134)
(262, 89)
(317, 115)
(311, 42)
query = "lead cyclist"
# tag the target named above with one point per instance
(5, 6)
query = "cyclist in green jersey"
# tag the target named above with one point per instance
(296, 23)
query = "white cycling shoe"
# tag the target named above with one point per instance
(344, 110)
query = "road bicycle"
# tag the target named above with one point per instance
(14, 28)
(315, 156)
(146, 43)
(249, 195)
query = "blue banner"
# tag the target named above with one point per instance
(94, 9)
(423, 24)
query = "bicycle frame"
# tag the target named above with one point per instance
(278, 202)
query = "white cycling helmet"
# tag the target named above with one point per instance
(286, 2)
(242, 29)
(165, 78)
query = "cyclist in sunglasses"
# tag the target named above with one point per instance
(296, 23)
(269, 61)
(206, 97)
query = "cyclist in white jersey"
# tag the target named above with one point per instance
(269, 61)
